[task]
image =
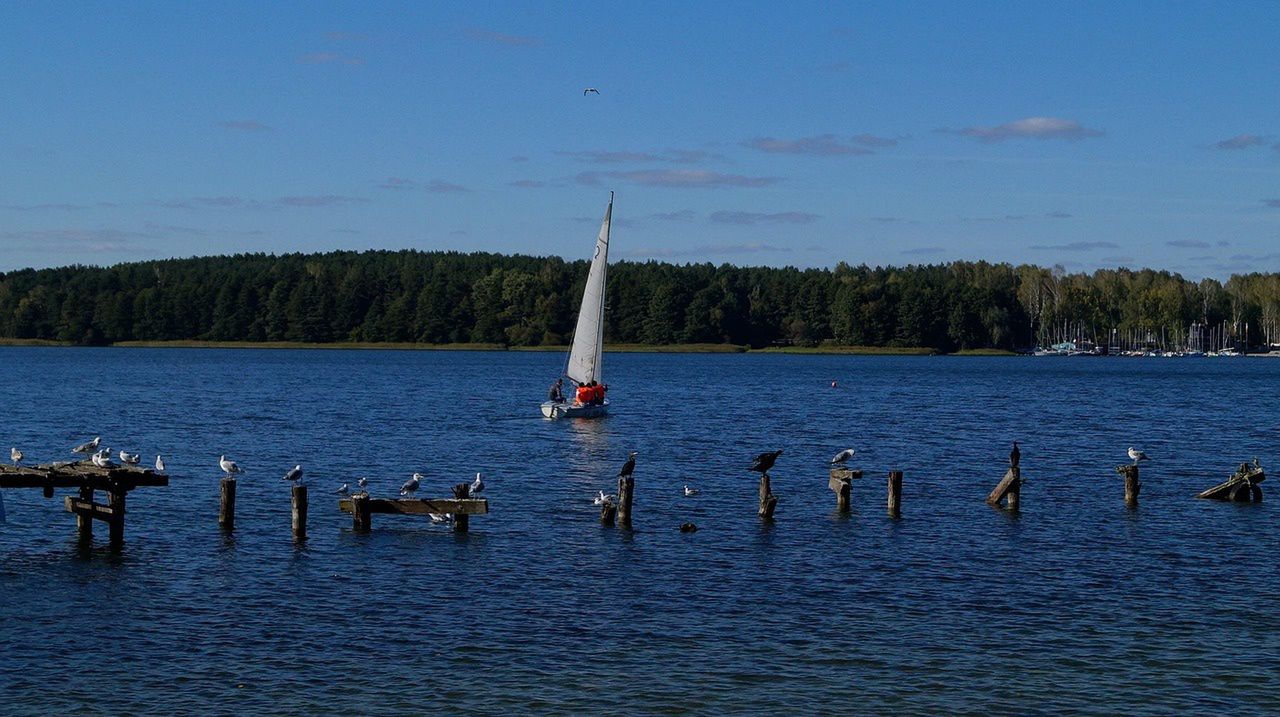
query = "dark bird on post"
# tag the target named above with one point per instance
(765, 461)
(590, 90)
(629, 466)
(1015, 455)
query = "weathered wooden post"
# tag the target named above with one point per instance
(299, 494)
(768, 501)
(626, 492)
(895, 494)
(1009, 489)
(115, 524)
(1241, 487)
(360, 513)
(84, 521)
(840, 481)
(1131, 484)
(461, 521)
(227, 506)
(608, 511)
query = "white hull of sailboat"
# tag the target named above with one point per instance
(551, 409)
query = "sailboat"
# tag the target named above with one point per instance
(583, 365)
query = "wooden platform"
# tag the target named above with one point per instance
(422, 506)
(87, 478)
(1241, 487)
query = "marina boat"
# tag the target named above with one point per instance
(583, 364)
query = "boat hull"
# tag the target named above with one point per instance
(553, 410)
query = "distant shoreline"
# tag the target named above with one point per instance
(610, 348)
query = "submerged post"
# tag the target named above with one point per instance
(626, 491)
(895, 494)
(84, 521)
(360, 513)
(608, 511)
(768, 501)
(840, 481)
(461, 521)
(227, 506)
(1009, 489)
(299, 494)
(1131, 484)
(115, 525)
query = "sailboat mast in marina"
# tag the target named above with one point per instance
(586, 399)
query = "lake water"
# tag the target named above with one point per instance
(1076, 606)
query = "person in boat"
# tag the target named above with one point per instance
(556, 394)
(583, 395)
(600, 390)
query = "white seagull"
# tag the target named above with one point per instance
(89, 447)
(159, 463)
(411, 486)
(690, 492)
(477, 485)
(295, 475)
(131, 458)
(440, 517)
(16, 455)
(228, 466)
(102, 459)
(590, 90)
(1137, 455)
(601, 499)
(363, 484)
(343, 489)
(843, 456)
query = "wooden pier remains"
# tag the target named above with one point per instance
(768, 501)
(626, 495)
(1132, 483)
(1008, 490)
(1241, 487)
(299, 512)
(116, 482)
(362, 507)
(840, 481)
(894, 503)
(227, 504)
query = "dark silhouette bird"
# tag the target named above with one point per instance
(590, 90)
(629, 466)
(765, 461)
(1015, 456)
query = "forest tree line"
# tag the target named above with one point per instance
(451, 297)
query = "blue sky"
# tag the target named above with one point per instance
(1086, 134)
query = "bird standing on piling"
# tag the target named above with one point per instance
(16, 455)
(1015, 455)
(601, 499)
(130, 458)
(1137, 455)
(842, 456)
(629, 466)
(159, 463)
(229, 467)
(102, 458)
(765, 461)
(294, 475)
(477, 485)
(411, 486)
(363, 485)
(89, 447)
(343, 489)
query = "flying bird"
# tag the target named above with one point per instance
(590, 90)
(294, 475)
(690, 492)
(89, 447)
(131, 458)
(629, 466)
(765, 461)
(159, 463)
(229, 467)
(477, 485)
(16, 455)
(411, 486)
(843, 456)
(1137, 455)
(1015, 456)
(343, 489)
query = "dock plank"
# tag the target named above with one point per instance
(422, 506)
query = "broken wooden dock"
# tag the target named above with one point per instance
(1241, 487)
(115, 481)
(361, 507)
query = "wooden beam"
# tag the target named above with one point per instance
(88, 509)
(1008, 486)
(76, 475)
(422, 506)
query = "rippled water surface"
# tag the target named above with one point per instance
(1076, 606)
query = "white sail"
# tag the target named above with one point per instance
(588, 337)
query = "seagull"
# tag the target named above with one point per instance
(130, 458)
(1137, 455)
(629, 466)
(690, 492)
(294, 475)
(601, 499)
(102, 459)
(843, 456)
(229, 467)
(590, 90)
(16, 455)
(765, 461)
(1015, 455)
(411, 486)
(440, 517)
(343, 489)
(89, 447)
(476, 486)
(159, 463)
(363, 484)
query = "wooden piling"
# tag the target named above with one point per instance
(115, 524)
(626, 493)
(227, 506)
(299, 494)
(360, 513)
(608, 512)
(840, 481)
(768, 501)
(894, 503)
(1132, 485)
(461, 521)
(84, 521)
(1009, 489)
